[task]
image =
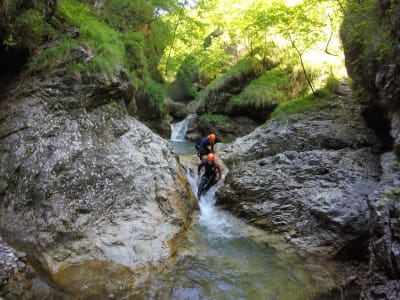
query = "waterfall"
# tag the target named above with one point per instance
(178, 130)
(216, 224)
(225, 258)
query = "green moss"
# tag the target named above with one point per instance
(331, 87)
(106, 43)
(308, 102)
(31, 28)
(367, 38)
(393, 194)
(51, 56)
(297, 105)
(237, 73)
(156, 95)
(266, 90)
(241, 73)
(215, 118)
(3, 185)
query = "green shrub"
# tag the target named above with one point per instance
(156, 95)
(297, 105)
(106, 43)
(332, 84)
(331, 87)
(187, 74)
(51, 56)
(23, 26)
(213, 62)
(367, 39)
(266, 90)
(308, 102)
(239, 72)
(31, 28)
(134, 49)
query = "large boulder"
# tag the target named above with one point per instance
(81, 180)
(307, 176)
(315, 198)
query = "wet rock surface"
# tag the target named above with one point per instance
(18, 280)
(317, 199)
(307, 176)
(321, 180)
(384, 247)
(82, 180)
(377, 71)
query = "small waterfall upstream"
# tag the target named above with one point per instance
(178, 135)
(225, 258)
(179, 129)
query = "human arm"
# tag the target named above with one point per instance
(218, 167)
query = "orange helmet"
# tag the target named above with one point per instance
(211, 157)
(211, 138)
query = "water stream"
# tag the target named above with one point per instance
(179, 129)
(219, 257)
(178, 134)
(225, 258)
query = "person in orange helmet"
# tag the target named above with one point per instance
(212, 169)
(203, 144)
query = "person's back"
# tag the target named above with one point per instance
(210, 168)
(203, 143)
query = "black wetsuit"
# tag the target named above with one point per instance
(211, 171)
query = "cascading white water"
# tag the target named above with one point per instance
(179, 129)
(178, 135)
(216, 223)
(225, 258)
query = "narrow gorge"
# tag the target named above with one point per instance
(101, 103)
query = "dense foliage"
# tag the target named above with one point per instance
(292, 45)
(295, 42)
(23, 24)
(371, 38)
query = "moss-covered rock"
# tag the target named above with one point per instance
(372, 48)
(215, 97)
